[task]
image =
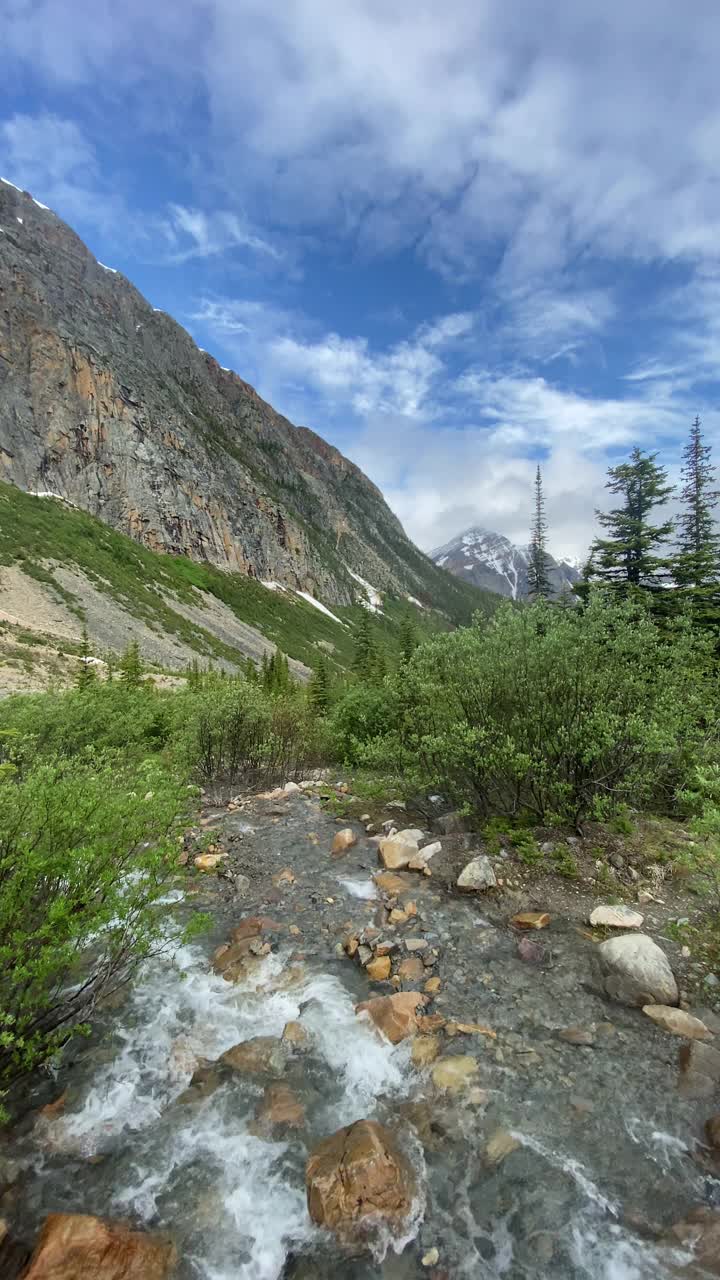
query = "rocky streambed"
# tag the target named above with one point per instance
(364, 1072)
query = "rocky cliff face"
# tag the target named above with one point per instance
(494, 563)
(109, 403)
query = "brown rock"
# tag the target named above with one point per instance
(357, 1178)
(429, 1023)
(395, 1016)
(398, 917)
(432, 986)
(700, 1231)
(379, 969)
(452, 1075)
(295, 1034)
(209, 861)
(389, 883)
(531, 920)
(396, 853)
(411, 969)
(677, 1022)
(75, 1246)
(255, 1057)
(343, 841)
(233, 961)
(416, 944)
(350, 946)
(280, 1108)
(250, 927)
(699, 1070)
(577, 1035)
(470, 1029)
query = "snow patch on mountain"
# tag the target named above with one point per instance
(492, 561)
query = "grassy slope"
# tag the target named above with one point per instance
(34, 531)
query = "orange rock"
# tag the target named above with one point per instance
(469, 1029)
(256, 1056)
(356, 1178)
(397, 916)
(295, 1034)
(531, 920)
(74, 1245)
(343, 841)
(379, 969)
(251, 927)
(432, 986)
(395, 1016)
(52, 1109)
(209, 861)
(390, 883)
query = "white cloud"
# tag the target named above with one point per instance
(192, 233)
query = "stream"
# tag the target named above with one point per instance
(602, 1151)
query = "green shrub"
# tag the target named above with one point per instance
(563, 714)
(361, 715)
(87, 849)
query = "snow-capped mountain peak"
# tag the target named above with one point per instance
(492, 561)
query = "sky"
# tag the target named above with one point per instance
(456, 239)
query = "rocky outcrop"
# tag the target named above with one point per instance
(357, 1179)
(74, 1245)
(494, 563)
(108, 403)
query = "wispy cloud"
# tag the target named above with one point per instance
(192, 233)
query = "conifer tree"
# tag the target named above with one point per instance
(627, 559)
(320, 688)
(698, 555)
(538, 574)
(365, 656)
(86, 673)
(131, 666)
(408, 638)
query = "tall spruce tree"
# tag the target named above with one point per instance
(320, 688)
(86, 675)
(698, 555)
(539, 587)
(628, 558)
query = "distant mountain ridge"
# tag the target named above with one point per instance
(492, 562)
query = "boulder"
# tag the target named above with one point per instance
(619, 917)
(477, 876)
(261, 1055)
(636, 971)
(295, 1034)
(677, 1022)
(411, 969)
(397, 851)
(235, 961)
(395, 1016)
(343, 841)
(358, 1180)
(73, 1245)
(209, 861)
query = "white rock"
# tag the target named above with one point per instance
(290, 787)
(617, 917)
(420, 862)
(636, 971)
(477, 875)
(410, 834)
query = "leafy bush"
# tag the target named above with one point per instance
(361, 715)
(564, 714)
(86, 853)
(228, 731)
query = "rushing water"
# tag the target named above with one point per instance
(597, 1132)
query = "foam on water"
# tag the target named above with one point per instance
(573, 1168)
(366, 890)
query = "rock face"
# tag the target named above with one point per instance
(75, 1245)
(636, 971)
(358, 1178)
(477, 876)
(107, 402)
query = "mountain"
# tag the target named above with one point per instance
(494, 563)
(108, 403)
(147, 493)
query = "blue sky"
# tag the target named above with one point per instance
(454, 238)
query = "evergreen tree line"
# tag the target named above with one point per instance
(635, 552)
